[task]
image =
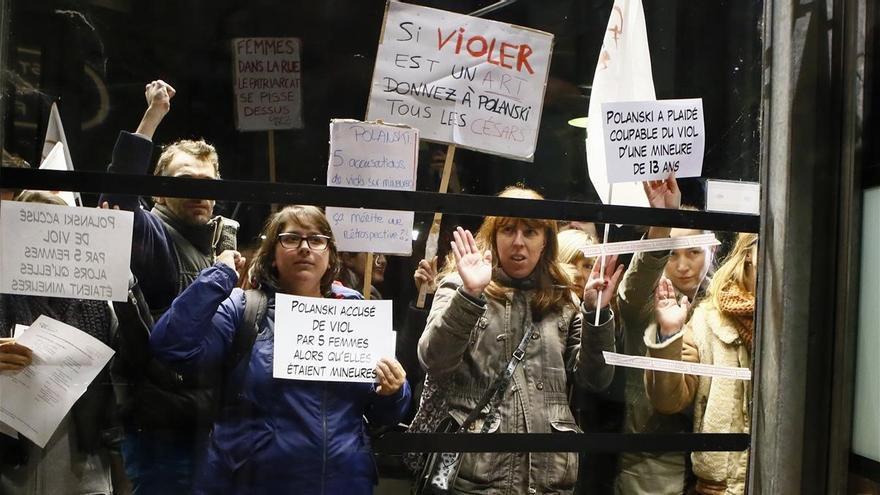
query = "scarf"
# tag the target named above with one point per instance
(92, 317)
(505, 280)
(738, 305)
(200, 236)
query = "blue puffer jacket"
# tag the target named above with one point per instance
(274, 435)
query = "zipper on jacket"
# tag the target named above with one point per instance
(324, 428)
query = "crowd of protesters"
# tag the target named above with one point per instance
(510, 340)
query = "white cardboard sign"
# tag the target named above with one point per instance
(267, 76)
(649, 140)
(461, 80)
(333, 340)
(372, 156)
(61, 251)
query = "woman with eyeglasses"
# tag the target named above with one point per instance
(276, 435)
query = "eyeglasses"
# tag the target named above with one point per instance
(292, 240)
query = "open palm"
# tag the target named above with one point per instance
(474, 267)
(663, 193)
(671, 314)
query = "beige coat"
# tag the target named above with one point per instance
(721, 405)
(470, 343)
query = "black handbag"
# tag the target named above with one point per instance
(439, 470)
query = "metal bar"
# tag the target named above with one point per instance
(421, 201)
(391, 443)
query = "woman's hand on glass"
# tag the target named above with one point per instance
(426, 273)
(13, 357)
(474, 268)
(670, 314)
(663, 193)
(390, 376)
(606, 282)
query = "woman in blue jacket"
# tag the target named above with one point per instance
(278, 435)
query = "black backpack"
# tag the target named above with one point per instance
(151, 394)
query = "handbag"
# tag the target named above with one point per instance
(438, 470)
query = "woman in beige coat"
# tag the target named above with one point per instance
(720, 332)
(507, 280)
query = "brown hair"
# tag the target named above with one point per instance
(263, 271)
(552, 291)
(31, 196)
(199, 149)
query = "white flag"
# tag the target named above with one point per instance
(61, 160)
(623, 73)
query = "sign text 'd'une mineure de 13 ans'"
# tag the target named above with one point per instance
(461, 80)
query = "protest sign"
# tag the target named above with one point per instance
(61, 251)
(461, 80)
(65, 361)
(373, 156)
(649, 140)
(267, 75)
(335, 340)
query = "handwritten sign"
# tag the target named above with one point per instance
(461, 80)
(334, 340)
(373, 156)
(267, 75)
(649, 140)
(61, 251)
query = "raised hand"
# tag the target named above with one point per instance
(670, 314)
(663, 193)
(390, 376)
(426, 273)
(606, 282)
(13, 357)
(158, 94)
(474, 267)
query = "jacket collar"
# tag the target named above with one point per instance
(721, 327)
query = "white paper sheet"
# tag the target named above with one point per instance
(65, 361)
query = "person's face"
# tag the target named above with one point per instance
(358, 264)
(189, 211)
(687, 268)
(519, 248)
(584, 266)
(300, 269)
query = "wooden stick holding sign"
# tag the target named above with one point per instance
(368, 276)
(272, 169)
(602, 259)
(434, 233)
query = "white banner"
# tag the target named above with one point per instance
(658, 364)
(733, 196)
(267, 76)
(335, 340)
(669, 243)
(61, 251)
(461, 80)
(650, 140)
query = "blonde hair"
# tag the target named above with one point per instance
(198, 149)
(552, 291)
(733, 270)
(263, 272)
(33, 196)
(570, 244)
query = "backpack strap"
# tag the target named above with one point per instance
(255, 305)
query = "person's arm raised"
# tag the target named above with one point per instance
(662, 194)
(158, 94)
